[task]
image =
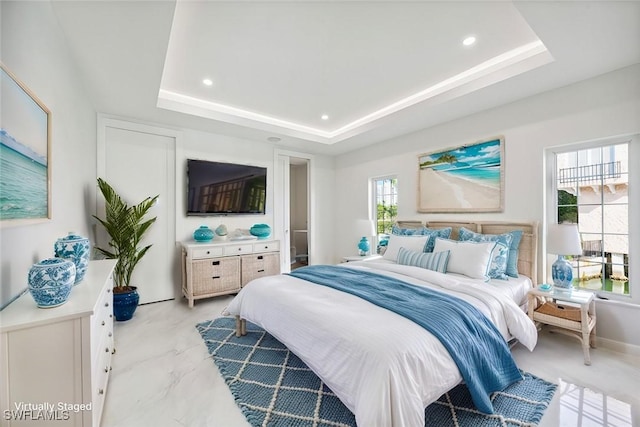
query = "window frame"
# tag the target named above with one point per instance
(551, 207)
(374, 200)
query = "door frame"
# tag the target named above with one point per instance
(106, 121)
(282, 204)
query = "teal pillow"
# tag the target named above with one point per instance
(436, 261)
(514, 251)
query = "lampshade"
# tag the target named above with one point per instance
(563, 239)
(365, 228)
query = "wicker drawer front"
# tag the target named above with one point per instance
(216, 275)
(254, 266)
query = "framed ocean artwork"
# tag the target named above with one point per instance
(25, 150)
(469, 178)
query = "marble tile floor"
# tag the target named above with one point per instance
(163, 376)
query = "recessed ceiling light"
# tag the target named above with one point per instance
(207, 82)
(469, 41)
(274, 139)
(324, 117)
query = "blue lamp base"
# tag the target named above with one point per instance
(562, 275)
(364, 247)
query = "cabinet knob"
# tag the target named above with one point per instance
(108, 290)
(103, 323)
(106, 369)
(106, 304)
(113, 351)
(208, 252)
(106, 350)
(110, 334)
(100, 391)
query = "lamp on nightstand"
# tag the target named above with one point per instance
(562, 240)
(365, 228)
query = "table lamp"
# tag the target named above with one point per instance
(562, 240)
(365, 228)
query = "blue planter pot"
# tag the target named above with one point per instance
(125, 304)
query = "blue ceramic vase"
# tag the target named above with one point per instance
(50, 281)
(203, 234)
(364, 246)
(261, 231)
(76, 249)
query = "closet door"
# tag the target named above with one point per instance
(139, 161)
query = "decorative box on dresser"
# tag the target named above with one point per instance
(212, 269)
(58, 359)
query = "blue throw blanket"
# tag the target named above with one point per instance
(474, 343)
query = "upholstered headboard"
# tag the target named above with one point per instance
(528, 249)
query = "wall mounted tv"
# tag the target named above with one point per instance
(215, 188)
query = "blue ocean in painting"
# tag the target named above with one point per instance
(23, 180)
(479, 163)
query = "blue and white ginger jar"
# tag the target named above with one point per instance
(77, 249)
(51, 280)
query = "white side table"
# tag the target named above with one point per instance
(576, 318)
(361, 258)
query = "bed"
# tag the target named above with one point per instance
(383, 366)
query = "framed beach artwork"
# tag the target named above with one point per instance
(25, 138)
(469, 178)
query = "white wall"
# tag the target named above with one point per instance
(33, 48)
(597, 108)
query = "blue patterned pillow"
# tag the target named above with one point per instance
(500, 253)
(436, 261)
(423, 231)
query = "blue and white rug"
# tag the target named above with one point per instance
(273, 387)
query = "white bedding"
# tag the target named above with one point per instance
(384, 368)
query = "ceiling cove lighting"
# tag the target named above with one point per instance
(502, 63)
(469, 41)
(207, 82)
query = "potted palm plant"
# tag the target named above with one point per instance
(126, 225)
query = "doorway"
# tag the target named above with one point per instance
(293, 204)
(299, 211)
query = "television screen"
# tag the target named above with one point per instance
(225, 188)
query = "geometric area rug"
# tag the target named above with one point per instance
(273, 387)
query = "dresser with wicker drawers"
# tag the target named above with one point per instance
(213, 269)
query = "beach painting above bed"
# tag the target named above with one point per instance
(469, 178)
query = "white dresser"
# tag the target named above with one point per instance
(212, 269)
(55, 362)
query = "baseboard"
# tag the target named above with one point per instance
(619, 347)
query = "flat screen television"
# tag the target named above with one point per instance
(215, 188)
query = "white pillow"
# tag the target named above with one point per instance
(412, 243)
(466, 257)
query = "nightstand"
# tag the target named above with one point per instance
(361, 258)
(571, 314)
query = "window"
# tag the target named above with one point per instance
(592, 190)
(385, 210)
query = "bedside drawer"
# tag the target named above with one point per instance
(207, 252)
